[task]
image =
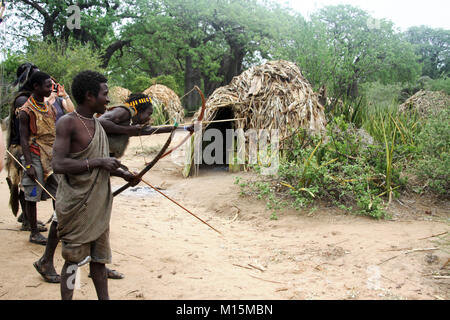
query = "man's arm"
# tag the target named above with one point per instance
(111, 120)
(67, 102)
(24, 129)
(20, 101)
(126, 175)
(62, 164)
(148, 130)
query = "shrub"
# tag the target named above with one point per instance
(168, 81)
(433, 165)
(346, 170)
(63, 61)
(441, 84)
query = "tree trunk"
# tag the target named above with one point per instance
(192, 78)
(48, 28)
(353, 90)
(231, 65)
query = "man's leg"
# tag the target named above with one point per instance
(52, 242)
(100, 279)
(68, 275)
(22, 216)
(45, 264)
(35, 236)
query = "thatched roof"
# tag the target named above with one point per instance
(426, 103)
(118, 95)
(274, 95)
(169, 99)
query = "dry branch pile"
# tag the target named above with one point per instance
(271, 96)
(118, 95)
(426, 103)
(169, 99)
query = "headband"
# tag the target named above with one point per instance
(134, 103)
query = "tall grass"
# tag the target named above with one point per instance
(159, 116)
(396, 132)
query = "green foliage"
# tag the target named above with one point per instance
(359, 169)
(345, 170)
(433, 165)
(168, 81)
(433, 47)
(9, 68)
(377, 94)
(340, 48)
(159, 115)
(441, 84)
(63, 61)
(49, 19)
(138, 83)
(208, 43)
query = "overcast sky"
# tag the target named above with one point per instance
(404, 13)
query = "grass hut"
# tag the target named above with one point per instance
(426, 103)
(118, 95)
(169, 101)
(271, 96)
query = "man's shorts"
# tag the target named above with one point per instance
(99, 250)
(33, 192)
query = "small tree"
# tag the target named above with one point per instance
(63, 61)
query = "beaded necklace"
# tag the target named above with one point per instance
(41, 107)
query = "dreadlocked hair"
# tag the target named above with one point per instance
(23, 74)
(140, 101)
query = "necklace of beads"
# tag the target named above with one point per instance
(41, 107)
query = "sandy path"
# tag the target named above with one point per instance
(167, 254)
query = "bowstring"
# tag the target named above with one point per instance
(142, 144)
(157, 129)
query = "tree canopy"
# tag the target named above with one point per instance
(184, 43)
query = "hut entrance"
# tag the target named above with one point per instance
(215, 143)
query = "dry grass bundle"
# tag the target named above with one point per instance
(426, 103)
(118, 95)
(271, 96)
(169, 99)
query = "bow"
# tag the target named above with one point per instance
(200, 118)
(150, 165)
(162, 154)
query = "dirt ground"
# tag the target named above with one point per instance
(165, 253)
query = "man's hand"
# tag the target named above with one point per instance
(109, 164)
(131, 178)
(61, 91)
(31, 172)
(135, 130)
(190, 128)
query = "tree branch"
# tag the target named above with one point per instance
(118, 45)
(38, 8)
